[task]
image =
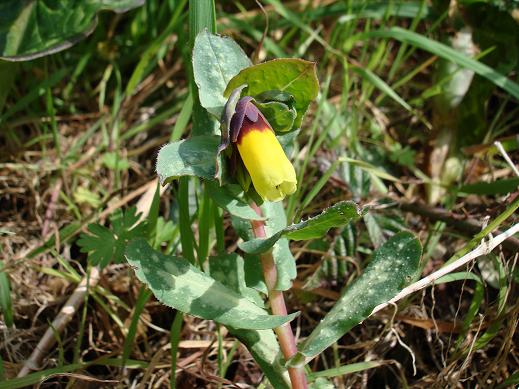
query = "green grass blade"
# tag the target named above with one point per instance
(40, 376)
(183, 119)
(447, 53)
(8, 72)
(36, 92)
(380, 84)
(346, 369)
(6, 304)
(142, 299)
(202, 15)
(174, 340)
(204, 225)
(186, 233)
(149, 58)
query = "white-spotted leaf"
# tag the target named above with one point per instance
(180, 285)
(216, 60)
(195, 156)
(392, 266)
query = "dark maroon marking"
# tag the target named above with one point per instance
(259, 125)
(247, 117)
(238, 117)
(225, 123)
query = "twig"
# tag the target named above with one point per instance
(256, 54)
(64, 316)
(51, 208)
(466, 226)
(77, 298)
(484, 248)
(506, 157)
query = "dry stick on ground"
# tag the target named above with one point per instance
(483, 249)
(77, 298)
(51, 208)
(466, 225)
(506, 157)
(65, 315)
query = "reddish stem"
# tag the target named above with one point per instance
(286, 338)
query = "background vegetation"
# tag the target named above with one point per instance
(405, 122)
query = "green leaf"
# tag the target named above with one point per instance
(34, 28)
(163, 232)
(224, 197)
(83, 195)
(285, 262)
(105, 245)
(264, 347)
(254, 273)
(262, 344)
(283, 258)
(499, 187)
(6, 304)
(8, 72)
(180, 285)
(229, 270)
(335, 216)
(346, 369)
(190, 157)
(278, 108)
(459, 276)
(216, 60)
(392, 266)
(375, 232)
(294, 76)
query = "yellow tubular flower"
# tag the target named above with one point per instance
(272, 174)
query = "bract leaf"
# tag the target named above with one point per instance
(279, 115)
(291, 75)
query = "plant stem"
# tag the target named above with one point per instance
(287, 341)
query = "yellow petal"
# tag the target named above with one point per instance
(272, 174)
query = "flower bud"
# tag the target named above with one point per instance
(272, 174)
